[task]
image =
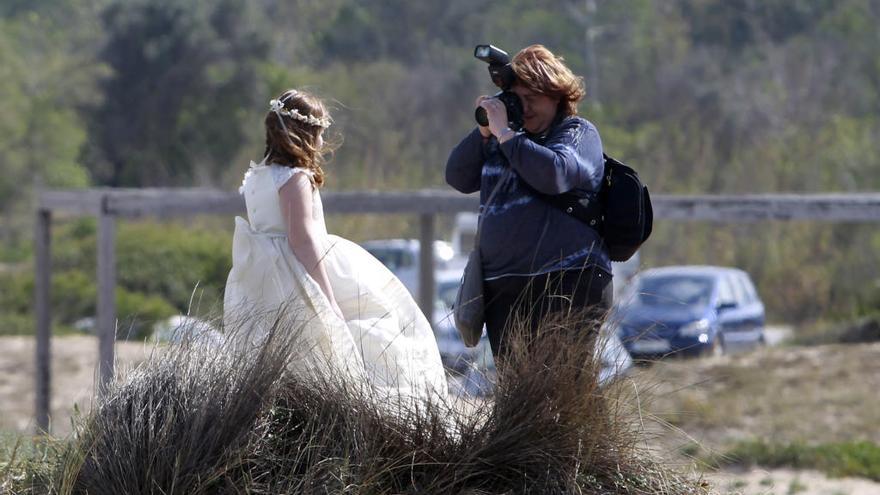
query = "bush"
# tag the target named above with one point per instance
(860, 459)
(159, 268)
(16, 324)
(201, 418)
(164, 259)
(862, 330)
(138, 312)
(171, 260)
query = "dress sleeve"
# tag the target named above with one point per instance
(280, 175)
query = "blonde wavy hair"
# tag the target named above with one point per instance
(542, 72)
(292, 142)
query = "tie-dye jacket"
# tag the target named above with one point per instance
(521, 233)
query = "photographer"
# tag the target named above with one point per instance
(537, 259)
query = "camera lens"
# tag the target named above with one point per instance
(482, 51)
(481, 117)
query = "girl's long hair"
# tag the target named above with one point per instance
(294, 143)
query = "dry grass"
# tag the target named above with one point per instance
(819, 395)
(74, 361)
(207, 419)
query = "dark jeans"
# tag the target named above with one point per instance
(587, 293)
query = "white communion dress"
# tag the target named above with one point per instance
(385, 341)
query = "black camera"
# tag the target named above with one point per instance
(503, 76)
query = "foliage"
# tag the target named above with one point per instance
(26, 465)
(858, 458)
(162, 270)
(701, 96)
(860, 331)
(182, 72)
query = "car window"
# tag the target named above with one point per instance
(407, 259)
(394, 259)
(746, 288)
(673, 290)
(739, 289)
(750, 288)
(725, 291)
(446, 293)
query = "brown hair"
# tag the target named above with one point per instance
(294, 143)
(539, 70)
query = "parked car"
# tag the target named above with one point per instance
(623, 273)
(690, 310)
(455, 355)
(401, 256)
(179, 328)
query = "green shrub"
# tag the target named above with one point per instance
(860, 459)
(138, 312)
(161, 269)
(16, 324)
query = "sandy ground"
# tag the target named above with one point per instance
(74, 364)
(786, 481)
(74, 361)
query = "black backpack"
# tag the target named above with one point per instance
(622, 213)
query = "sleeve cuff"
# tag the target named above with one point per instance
(508, 147)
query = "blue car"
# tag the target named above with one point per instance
(689, 310)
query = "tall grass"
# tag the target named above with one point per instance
(201, 417)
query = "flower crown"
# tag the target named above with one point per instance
(277, 106)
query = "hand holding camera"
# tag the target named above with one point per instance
(496, 116)
(510, 113)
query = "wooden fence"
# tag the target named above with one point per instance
(109, 204)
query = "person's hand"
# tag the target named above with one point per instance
(497, 115)
(484, 130)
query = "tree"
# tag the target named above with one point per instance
(182, 74)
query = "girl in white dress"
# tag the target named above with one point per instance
(350, 312)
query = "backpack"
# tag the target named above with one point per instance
(622, 213)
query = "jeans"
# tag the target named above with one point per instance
(527, 300)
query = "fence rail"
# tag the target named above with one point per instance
(108, 204)
(856, 207)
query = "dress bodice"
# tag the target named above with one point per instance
(260, 189)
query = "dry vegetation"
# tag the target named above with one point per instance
(692, 408)
(200, 418)
(820, 394)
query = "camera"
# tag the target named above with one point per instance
(502, 76)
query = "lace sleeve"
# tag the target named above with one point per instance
(280, 175)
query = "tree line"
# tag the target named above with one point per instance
(701, 96)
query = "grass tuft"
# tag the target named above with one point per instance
(203, 417)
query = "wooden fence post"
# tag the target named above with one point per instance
(426, 265)
(43, 317)
(106, 320)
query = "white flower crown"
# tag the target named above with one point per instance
(278, 107)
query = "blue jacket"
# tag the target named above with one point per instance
(521, 233)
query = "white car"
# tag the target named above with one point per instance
(401, 256)
(455, 355)
(180, 328)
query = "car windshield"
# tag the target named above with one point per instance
(394, 259)
(673, 290)
(446, 292)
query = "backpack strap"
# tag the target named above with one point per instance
(587, 210)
